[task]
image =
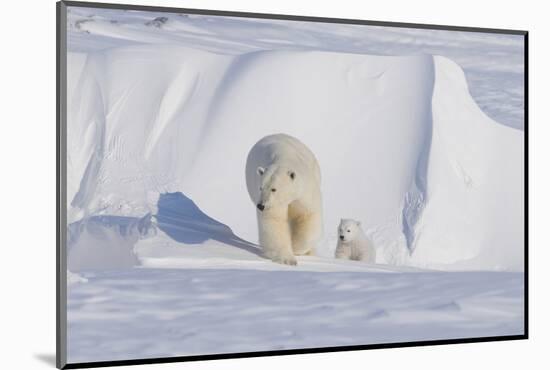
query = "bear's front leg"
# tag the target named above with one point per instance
(305, 230)
(368, 254)
(275, 237)
(342, 251)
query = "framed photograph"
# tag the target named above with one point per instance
(235, 184)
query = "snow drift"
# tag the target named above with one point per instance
(162, 111)
(401, 144)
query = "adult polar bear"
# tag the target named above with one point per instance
(283, 180)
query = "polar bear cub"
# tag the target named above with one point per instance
(353, 244)
(283, 180)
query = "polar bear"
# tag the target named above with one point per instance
(283, 180)
(353, 244)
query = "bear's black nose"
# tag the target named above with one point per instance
(341, 237)
(260, 206)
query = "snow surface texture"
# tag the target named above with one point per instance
(144, 313)
(494, 64)
(162, 252)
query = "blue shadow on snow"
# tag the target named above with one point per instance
(181, 219)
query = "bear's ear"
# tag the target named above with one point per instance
(358, 223)
(292, 174)
(261, 171)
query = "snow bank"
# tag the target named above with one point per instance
(494, 63)
(106, 242)
(401, 144)
(162, 112)
(475, 184)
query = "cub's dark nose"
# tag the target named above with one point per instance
(260, 206)
(341, 237)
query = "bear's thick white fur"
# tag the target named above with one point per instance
(353, 244)
(283, 178)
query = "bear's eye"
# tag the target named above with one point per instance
(349, 231)
(273, 190)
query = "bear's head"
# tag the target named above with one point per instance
(348, 230)
(279, 186)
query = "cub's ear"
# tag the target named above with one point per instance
(358, 223)
(261, 171)
(292, 174)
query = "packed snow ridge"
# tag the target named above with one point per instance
(162, 111)
(402, 145)
(493, 63)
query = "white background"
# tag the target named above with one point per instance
(27, 319)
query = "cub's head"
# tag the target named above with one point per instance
(279, 186)
(348, 230)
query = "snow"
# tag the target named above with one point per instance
(143, 313)
(73, 278)
(464, 182)
(384, 166)
(162, 234)
(493, 63)
(106, 242)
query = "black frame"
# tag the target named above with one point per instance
(61, 196)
